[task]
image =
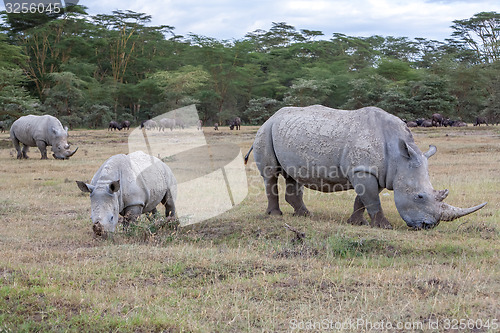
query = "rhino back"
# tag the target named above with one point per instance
(31, 128)
(320, 146)
(143, 179)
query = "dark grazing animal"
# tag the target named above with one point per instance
(235, 123)
(481, 120)
(426, 123)
(113, 125)
(125, 124)
(458, 123)
(437, 120)
(149, 124)
(419, 121)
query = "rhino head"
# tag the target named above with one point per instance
(418, 203)
(104, 204)
(60, 146)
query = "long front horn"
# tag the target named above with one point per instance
(450, 213)
(73, 153)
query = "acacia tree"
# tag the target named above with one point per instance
(482, 33)
(178, 85)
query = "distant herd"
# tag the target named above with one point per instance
(168, 123)
(437, 120)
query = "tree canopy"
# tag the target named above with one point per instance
(89, 69)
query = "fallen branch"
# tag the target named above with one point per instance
(299, 236)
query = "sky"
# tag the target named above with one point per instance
(232, 19)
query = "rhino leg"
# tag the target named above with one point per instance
(15, 141)
(273, 206)
(169, 204)
(130, 214)
(42, 146)
(25, 151)
(366, 186)
(293, 195)
(380, 221)
(357, 217)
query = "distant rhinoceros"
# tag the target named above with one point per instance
(335, 150)
(129, 185)
(166, 123)
(41, 131)
(149, 124)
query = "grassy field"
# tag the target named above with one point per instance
(243, 271)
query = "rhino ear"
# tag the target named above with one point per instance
(114, 186)
(85, 187)
(405, 150)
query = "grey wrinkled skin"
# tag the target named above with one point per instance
(40, 131)
(335, 150)
(129, 185)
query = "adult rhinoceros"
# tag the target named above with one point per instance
(129, 185)
(40, 131)
(335, 150)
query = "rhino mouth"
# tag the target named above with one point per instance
(424, 225)
(65, 156)
(99, 230)
(59, 157)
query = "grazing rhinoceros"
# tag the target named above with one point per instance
(335, 150)
(166, 123)
(40, 131)
(149, 124)
(129, 185)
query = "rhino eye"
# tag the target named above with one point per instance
(419, 197)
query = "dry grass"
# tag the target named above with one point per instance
(242, 271)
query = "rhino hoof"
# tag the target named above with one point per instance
(357, 221)
(302, 212)
(274, 212)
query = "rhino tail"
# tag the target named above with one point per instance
(248, 155)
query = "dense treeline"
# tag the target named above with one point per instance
(88, 70)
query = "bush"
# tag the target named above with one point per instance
(98, 116)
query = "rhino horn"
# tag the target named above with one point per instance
(73, 152)
(441, 195)
(450, 213)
